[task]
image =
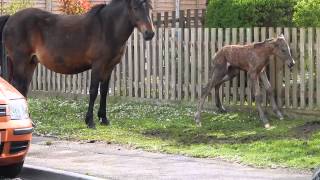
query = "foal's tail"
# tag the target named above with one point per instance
(3, 21)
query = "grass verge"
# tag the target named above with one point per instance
(235, 136)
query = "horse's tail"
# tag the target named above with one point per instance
(3, 21)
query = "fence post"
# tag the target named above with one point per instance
(242, 73)
(318, 65)
(302, 68)
(311, 66)
(295, 69)
(287, 73)
(49, 5)
(213, 40)
(235, 79)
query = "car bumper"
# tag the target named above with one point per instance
(15, 140)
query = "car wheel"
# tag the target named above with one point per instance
(11, 171)
(316, 175)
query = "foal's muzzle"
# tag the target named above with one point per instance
(291, 63)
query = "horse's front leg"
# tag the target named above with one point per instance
(269, 90)
(93, 95)
(258, 98)
(104, 88)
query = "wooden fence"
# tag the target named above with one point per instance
(174, 66)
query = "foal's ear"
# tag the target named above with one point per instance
(281, 35)
(268, 40)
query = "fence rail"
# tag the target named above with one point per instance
(174, 66)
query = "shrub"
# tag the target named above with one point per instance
(307, 13)
(75, 6)
(16, 5)
(247, 13)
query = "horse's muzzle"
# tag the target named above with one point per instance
(291, 64)
(148, 35)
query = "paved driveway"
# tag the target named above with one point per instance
(116, 162)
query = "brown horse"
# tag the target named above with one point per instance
(251, 58)
(73, 44)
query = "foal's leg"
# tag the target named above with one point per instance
(269, 89)
(93, 95)
(231, 73)
(204, 95)
(258, 98)
(104, 88)
(215, 75)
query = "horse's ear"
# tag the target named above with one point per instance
(96, 9)
(281, 35)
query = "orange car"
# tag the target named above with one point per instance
(15, 130)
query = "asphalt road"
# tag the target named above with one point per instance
(116, 162)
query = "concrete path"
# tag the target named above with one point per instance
(116, 162)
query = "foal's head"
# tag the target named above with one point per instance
(282, 50)
(140, 12)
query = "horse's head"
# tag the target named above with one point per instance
(140, 15)
(282, 50)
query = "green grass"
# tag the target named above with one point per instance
(235, 136)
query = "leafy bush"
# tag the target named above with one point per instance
(247, 13)
(75, 6)
(16, 5)
(307, 13)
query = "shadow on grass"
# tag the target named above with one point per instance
(234, 128)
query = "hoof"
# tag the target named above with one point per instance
(197, 118)
(267, 126)
(279, 114)
(91, 126)
(104, 122)
(222, 110)
(198, 124)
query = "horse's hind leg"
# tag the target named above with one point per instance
(269, 89)
(204, 95)
(104, 87)
(217, 72)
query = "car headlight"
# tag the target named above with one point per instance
(18, 109)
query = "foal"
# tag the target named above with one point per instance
(253, 59)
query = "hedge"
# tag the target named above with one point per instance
(248, 13)
(307, 13)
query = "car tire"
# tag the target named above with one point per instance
(316, 174)
(11, 171)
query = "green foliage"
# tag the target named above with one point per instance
(73, 7)
(248, 13)
(307, 13)
(170, 128)
(16, 5)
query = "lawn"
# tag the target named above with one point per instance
(235, 136)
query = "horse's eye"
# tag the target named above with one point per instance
(283, 50)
